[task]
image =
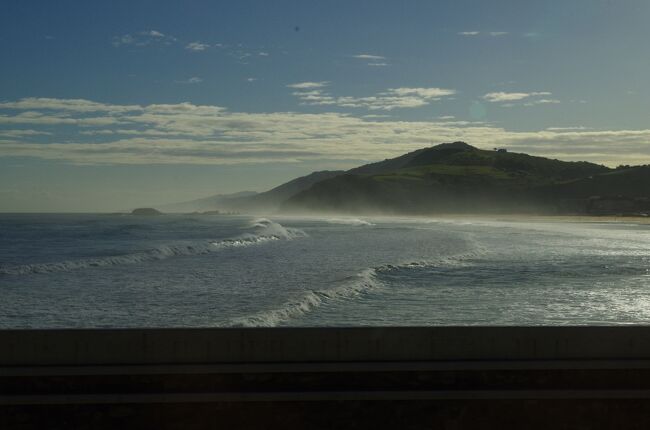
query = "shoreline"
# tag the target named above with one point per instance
(594, 219)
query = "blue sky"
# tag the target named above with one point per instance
(110, 105)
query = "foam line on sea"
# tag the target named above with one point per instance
(262, 230)
(363, 282)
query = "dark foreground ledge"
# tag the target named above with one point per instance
(438, 377)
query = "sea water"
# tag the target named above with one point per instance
(222, 271)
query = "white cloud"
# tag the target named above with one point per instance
(308, 85)
(501, 96)
(374, 60)
(489, 33)
(545, 101)
(393, 98)
(143, 38)
(251, 79)
(196, 46)
(192, 80)
(241, 56)
(185, 133)
(375, 115)
(73, 105)
(263, 54)
(61, 118)
(579, 127)
(184, 108)
(154, 33)
(23, 133)
(532, 102)
(433, 93)
(369, 57)
(126, 39)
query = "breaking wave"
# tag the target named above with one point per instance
(350, 221)
(364, 282)
(261, 231)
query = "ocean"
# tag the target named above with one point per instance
(89, 270)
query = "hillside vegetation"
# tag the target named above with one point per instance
(457, 178)
(452, 177)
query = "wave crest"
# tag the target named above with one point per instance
(363, 282)
(350, 221)
(263, 230)
(264, 227)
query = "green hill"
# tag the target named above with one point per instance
(456, 177)
(633, 182)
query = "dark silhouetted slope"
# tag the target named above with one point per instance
(272, 199)
(211, 203)
(457, 177)
(452, 177)
(633, 182)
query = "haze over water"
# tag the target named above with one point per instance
(179, 270)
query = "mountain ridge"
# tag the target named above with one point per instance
(249, 200)
(457, 177)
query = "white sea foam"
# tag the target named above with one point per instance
(364, 281)
(261, 231)
(266, 228)
(350, 221)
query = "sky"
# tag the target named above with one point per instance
(106, 106)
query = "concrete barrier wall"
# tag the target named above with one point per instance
(264, 345)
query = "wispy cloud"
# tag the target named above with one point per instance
(67, 105)
(196, 46)
(308, 85)
(477, 33)
(501, 96)
(185, 133)
(369, 57)
(375, 116)
(154, 33)
(192, 80)
(143, 38)
(393, 98)
(126, 39)
(373, 60)
(544, 101)
(23, 133)
(575, 128)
